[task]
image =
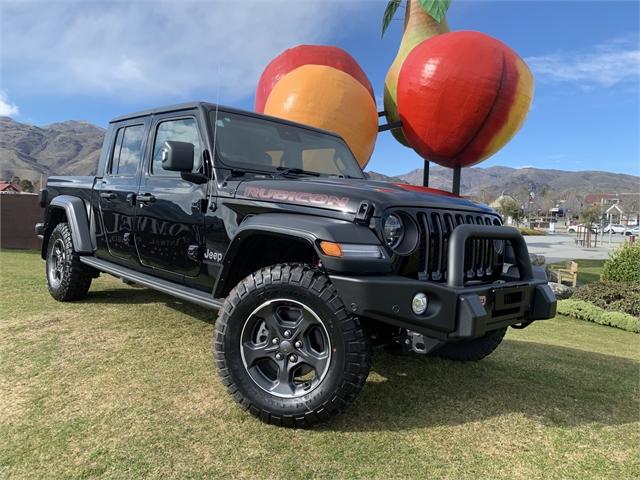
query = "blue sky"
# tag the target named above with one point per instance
(94, 60)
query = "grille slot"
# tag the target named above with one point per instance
(481, 261)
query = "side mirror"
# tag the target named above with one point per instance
(177, 156)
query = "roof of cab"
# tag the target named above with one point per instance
(211, 106)
(165, 109)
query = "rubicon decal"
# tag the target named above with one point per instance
(316, 199)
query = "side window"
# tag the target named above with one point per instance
(127, 150)
(115, 155)
(183, 130)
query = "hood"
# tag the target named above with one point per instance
(345, 195)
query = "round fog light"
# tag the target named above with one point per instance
(419, 303)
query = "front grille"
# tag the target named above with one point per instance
(482, 262)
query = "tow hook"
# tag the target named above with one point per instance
(416, 342)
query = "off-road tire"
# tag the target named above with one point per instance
(74, 277)
(350, 347)
(472, 350)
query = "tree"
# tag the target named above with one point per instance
(590, 215)
(573, 202)
(546, 202)
(632, 208)
(26, 185)
(508, 207)
(15, 180)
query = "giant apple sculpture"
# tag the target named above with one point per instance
(324, 87)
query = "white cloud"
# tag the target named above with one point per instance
(143, 48)
(7, 109)
(608, 64)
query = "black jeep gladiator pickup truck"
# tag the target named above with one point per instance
(275, 226)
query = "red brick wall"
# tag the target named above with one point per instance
(18, 215)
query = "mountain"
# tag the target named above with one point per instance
(73, 148)
(65, 148)
(490, 182)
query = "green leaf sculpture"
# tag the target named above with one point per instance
(436, 8)
(389, 12)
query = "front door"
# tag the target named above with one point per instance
(170, 217)
(117, 189)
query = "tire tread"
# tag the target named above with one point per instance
(77, 279)
(358, 346)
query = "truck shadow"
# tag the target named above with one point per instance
(141, 295)
(556, 386)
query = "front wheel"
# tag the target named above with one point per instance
(287, 349)
(472, 350)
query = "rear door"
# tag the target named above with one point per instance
(117, 189)
(170, 217)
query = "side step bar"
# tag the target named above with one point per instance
(180, 291)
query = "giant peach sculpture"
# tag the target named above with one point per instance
(461, 97)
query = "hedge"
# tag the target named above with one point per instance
(618, 296)
(582, 310)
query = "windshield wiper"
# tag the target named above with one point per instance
(296, 171)
(344, 175)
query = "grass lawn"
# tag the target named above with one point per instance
(588, 270)
(122, 385)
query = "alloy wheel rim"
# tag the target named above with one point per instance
(56, 263)
(285, 348)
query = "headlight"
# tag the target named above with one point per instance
(393, 230)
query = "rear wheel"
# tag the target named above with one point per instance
(472, 350)
(67, 278)
(287, 349)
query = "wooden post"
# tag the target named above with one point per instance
(455, 188)
(425, 174)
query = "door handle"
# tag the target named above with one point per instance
(108, 195)
(146, 198)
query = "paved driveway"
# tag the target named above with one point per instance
(561, 246)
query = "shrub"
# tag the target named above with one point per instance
(582, 310)
(623, 264)
(620, 296)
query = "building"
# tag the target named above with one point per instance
(6, 187)
(615, 214)
(617, 207)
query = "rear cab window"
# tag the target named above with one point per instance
(127, 151)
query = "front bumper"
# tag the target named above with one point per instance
(453, 313)
(456, 310)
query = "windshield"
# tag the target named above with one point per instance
(249, 143)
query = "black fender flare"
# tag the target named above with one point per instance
(76, 213)
(311, 230)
